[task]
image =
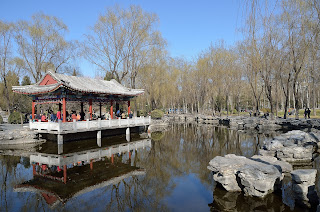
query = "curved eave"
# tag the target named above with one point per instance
(35, 189)
(52, 88)
(19, 89)
(139, 92)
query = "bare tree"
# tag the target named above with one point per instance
(121, 40)
(42, 46)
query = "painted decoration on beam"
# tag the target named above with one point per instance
(48, 97)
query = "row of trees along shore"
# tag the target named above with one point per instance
(274, 67)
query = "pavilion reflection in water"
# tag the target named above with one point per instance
(59, 178)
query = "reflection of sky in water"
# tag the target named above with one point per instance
(189, 194)
(248, 147)
(103, 199)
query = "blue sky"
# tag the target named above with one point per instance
(188, 26)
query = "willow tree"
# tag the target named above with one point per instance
(250, 52)
(154, 78)
(41, 44)
(120, 41)
(296, 43)
(313, 8)
(6, 38)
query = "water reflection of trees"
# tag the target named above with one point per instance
(10, 174)
(188, 148)
(182, 150)
(134, 193)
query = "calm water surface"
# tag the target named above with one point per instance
(166, 173)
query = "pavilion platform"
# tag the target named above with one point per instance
(61, 128)
(89, 127)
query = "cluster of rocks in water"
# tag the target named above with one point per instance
(262, 123)
(18, 135)
(264, 173)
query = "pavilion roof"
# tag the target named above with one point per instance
(80, 84)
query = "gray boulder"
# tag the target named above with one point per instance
(225, 170)
(238, 173)
(258, 179)
(263, 152)
(308, 176)
(294, 147)
(282, 166)
(273, 145)
(303, 186)
(295, 154)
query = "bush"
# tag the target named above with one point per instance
(156, 114)
(223, 112)
(141, 113)
(14, 118)
(1, 120)
(266, 110)
(301, 112)
(234, 111)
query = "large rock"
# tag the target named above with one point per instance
(273, 145)
(308, 176)
(303, 186)
(225, 170)
(299, 123)
(295, 147)
(258, 179)
(236, 173)
(282, 166)
(297, 137)
(263, 152)
(295, 154)
(14, 136)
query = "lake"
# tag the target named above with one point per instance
(165, 173)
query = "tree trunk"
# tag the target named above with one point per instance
(238, 105)
(7, 95)
(314, 98)
(294, 100)
(227, 104)
(289, 105)
(191, 108)
(286, 106)
(277, 98)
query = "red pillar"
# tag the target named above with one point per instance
(34, 169)
(112, 159)
(130, 155)
(91, 164)
(64, 109)
(33, 108)
(65, 174)
(128, 108)
(90, 108)
(111, 109)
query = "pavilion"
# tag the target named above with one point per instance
(59, 89)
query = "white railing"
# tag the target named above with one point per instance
(90, 125)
